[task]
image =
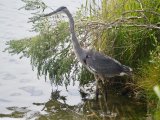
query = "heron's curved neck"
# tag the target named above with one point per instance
(75, 42)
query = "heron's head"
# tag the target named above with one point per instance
(60, 9)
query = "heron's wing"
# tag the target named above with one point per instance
(103, 64)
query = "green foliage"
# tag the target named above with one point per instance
(129, 31)
(124, 28)
(157, 91)
(85, 76)
(34, 5)
(48, 52)
(150, 71)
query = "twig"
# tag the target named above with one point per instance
(150, 26)
(118, 20)
(149, 11)
(121, 22)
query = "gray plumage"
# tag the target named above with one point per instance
(102, 64)
(98, 64)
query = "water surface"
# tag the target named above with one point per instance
(19, 85)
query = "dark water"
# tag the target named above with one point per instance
(23, 96)
(56, 108)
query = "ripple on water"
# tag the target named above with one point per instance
(24, 73)
(25, 80)
(18, 109)
(4, 100)
(15, 94)
(13, 61)
(8, 76)
(32, 91)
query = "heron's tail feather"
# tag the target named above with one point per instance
(127, 70)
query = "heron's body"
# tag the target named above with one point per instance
(100, 65)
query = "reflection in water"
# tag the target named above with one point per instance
(116, 108)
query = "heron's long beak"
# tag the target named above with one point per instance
(46, 15)
(54, 12)
(49, 14)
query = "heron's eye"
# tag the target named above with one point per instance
(87, 56)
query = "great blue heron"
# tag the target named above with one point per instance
(102, 66)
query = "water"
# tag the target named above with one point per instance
(19, 85)
(23, 96)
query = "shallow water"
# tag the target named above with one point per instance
(19, 85)
(23, 96)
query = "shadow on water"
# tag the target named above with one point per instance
(116, 108)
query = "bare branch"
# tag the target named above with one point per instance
(149, 11)
(122, 21)
(150, 26)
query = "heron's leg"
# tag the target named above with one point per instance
(97, 86)
(104, 86)
(97, 91)
(105, 90)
